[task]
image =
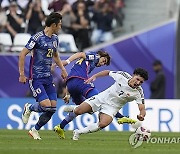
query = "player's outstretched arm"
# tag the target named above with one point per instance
(22, 55)
(67, 96)
(100, 74)
(59, 63)
(142, 112)
(74, 57)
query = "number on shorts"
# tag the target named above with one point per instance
(38, 90)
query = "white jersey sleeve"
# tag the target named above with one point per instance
(118, 75)
(114, 75)
(140, 96)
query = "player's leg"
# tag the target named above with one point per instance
(47, 114)
(104, 120)
(79, 91)
(48, 104)
(39, 94)
(77, 98)
(59, 129)
(43, 119)
(74, 88)
(106, 116)
(90, 105)
(121, 118)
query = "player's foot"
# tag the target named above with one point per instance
(126, 120)
(26, 113)
(75, 135)
(59, 131)
(34, 133)
(69, 108)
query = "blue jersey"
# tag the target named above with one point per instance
(83, 67)
(42, 48)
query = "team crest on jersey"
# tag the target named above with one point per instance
(55, 44)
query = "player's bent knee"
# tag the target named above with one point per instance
(78, 111)
(102, 125)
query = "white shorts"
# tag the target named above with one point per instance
(103, 107)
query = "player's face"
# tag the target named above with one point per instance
(136, 81)
(57, 27)
(102, 61)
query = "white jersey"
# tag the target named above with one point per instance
(120, 92)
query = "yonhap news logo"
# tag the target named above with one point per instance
(136, 141)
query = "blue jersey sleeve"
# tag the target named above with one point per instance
(56, 44)
(31, 43)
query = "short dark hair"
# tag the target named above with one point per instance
(105, 54)
(54, 17)
(142, 72)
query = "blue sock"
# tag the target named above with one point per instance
(43, 119)
(36, 108)
(68, 119)
(63, 124)
(119, 115)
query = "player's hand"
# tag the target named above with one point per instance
(66, 98)
(53, 67)
(93, 78)
(140, 117)
(22, 78)
(64, 74)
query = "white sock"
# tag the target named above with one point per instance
(70, 108)
(89, 129)
(74, 107)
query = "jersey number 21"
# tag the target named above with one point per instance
(50, 53)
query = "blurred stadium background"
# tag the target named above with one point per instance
(138, 32)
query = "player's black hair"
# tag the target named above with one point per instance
(54, 17)
(105, 54)
(142, 72)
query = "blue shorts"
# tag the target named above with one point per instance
(80, 91)
(43, 88)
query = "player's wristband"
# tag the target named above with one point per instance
(68, 61)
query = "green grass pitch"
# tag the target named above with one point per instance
(114, 142)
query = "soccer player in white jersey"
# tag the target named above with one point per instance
(126, 88)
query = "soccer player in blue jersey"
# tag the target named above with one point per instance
(43, 46)
(78, 89)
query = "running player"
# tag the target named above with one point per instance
(44, 49)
